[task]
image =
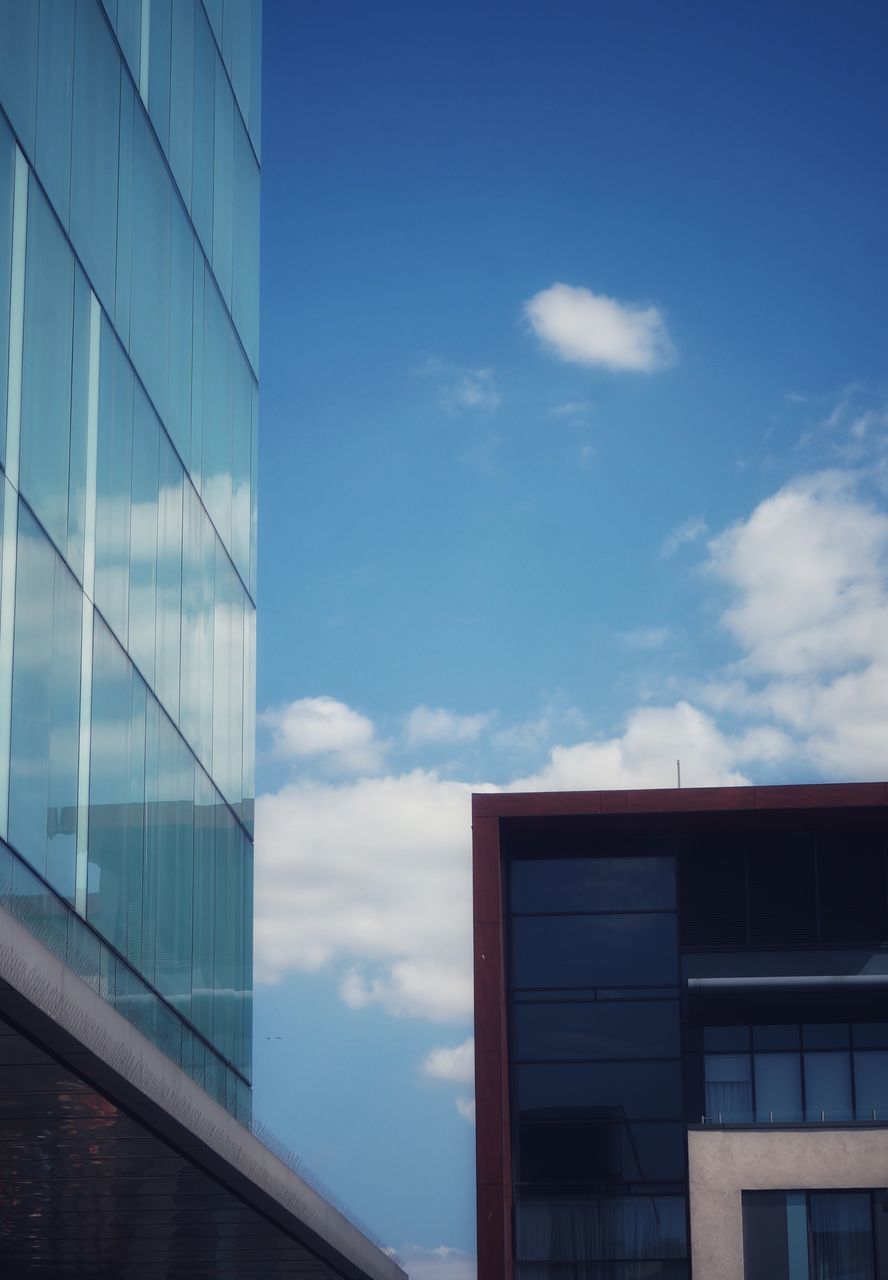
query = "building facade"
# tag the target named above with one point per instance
(129, 285)
(682, 1034)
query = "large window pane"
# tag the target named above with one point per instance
(592, 884)
(45, 709)
(728, 1088)
(777, 1087)
(202, 148)
(114, 470)
(223, 181)
(46, 384)
(871, 1084)
(150, 307)
(589, 1230)
(143, 536)
(55, 83)
(95, 149)
(637, 1090)
(18, 66)
(169, 578)
(639, 1029)
(841, 1236)
(182, 97)
(585, 951)
(7, 185)
(828, 1086)
(592, 1152)
(245, 292)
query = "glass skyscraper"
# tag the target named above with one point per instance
(129, 312)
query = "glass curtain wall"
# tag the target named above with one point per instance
(129, 203)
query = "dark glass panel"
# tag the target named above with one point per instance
(595, 1030)
(870, 1035)
(7, 189)
(18, 66)
(765, 1246)
(610, 1228)
(782, 895)
(776, 1037)
(726, 1038)
(842, 1235)
(582, 951)
(55, 82)
(712, 895)
(728, 1080)
(637, 1090)
(778, 1090)
(592, 884)
(826, 1035)
(871, 1084)
(594, 1152)
(852, 888)
(828, 1086)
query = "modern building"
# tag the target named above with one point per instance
(681, 1034)
(129, 315)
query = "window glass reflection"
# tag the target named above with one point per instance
(778, 1094)
(828, 1086)
(582, 951)
(728, 1082)
(592, 884)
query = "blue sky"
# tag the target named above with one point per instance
(574, 460)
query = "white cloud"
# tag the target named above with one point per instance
(426, 725)
(437, 1264)
(572, 409)
(466, 1108)
(452, 1062)
(588, 328)
(462, 387)
(324, 727)
(683, 534)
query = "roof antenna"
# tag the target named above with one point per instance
(678, 772)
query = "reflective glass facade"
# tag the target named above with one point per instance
(129, 283)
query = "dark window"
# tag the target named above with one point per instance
(726, 1038)
(852, 888)
(592, 884)
(637, 1090)
(782, 896)
(587, 1153)
(610, 1228)
(826, 1035)
(765, 1247)
(586, 951)
(636, 1029)
(713, 894)
(776, 1037)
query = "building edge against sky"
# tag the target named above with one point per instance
(129, 311)
(680, 1033)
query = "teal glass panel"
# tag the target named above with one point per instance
(778, 1091)
(171, 831)
(94, 149)
(828, 1086)
(143, 536)
(241, 466)
(178, 420)
(204, 908)
(129, 33)
(7, 185)
(169, 579)
(150, 303)
(209, 543)
(116, 796)
(255, 113)
(197, 371)
(228, 676)
(214, 12)
(79, 410)
(159, 69)
(195, 592)
(123, 290)
(245, 290)
(219, 354)
(228, 926)
(202, 138)
(153, 814)
(46, 381)
(45, 709)
(223, 181)
(55, 92)
(236, 36)
(254, 492)
(871, 1084)
(18, 67)
(114, 484)
(110, 7)
(246, 1059)
(249, 717)
(182, 97)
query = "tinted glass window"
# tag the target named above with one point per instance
(726, 1038)
(728, 1088)
(782, 897)
(713, 894)
(852, 903)
(582, 951)
(609, 1228)
(776, 1037)
(637, 1090)
(828, 1086)
(592, 884)
(827, 1035)
(871, 1084)
(581, 1152)
(638, 1029)
(778, 1093)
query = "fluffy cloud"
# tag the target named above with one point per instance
(453, 1062)
(426, 725)
(437, 1264)
(687, 532)
(324, 727)
(589, 328)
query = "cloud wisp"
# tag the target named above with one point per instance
(581, 327)
(683, 535)
(427, 725)
(462, 387)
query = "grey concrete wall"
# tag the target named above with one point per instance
(723, 1163)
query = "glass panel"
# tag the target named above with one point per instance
(580, 951)
(150, 308)
(45, 709)
(592, 884)
(7, 186)
(55, 86)
(79, 411)
(169, 578)
(588, 1230)
(219, 355)
(171, 830)
(778, 1094)
(202, 148)
(591, 1152)
(828, 1086)
(241, 514)
(765, 1245)
(114, 469)
(46, 382)
(870, 1035)
(574, 1030)
(777, 1037)
(871, 1085)
(18, 67)
(123, 291)
(255, 116)
(181, 290)
(841, 1236)
(129, 32)
(826, 1036)
(159, 69)
(143, 536)
(95, 150)
(726, 1038)
(637, 1090)
(204, 904)
(182, 97)
(245, 293)
(223, 181)
(728, 1088)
